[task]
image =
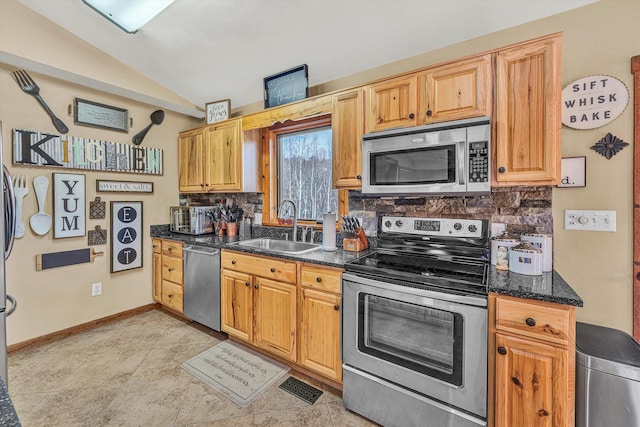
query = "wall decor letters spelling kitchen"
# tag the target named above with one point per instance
(109, 186)
(94, 114)
(69, 217)
(287, 86)
(218, 111)
(573, 172)
(609, 146)
(593, 101)
(126, 236)
(42, 149)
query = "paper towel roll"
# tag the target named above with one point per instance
(328, 232)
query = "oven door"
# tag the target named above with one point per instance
(430, 342)
(416, 163)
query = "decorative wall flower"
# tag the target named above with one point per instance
(609, 146)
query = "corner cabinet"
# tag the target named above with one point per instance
(347, 127)
(210, 158)
(533, 349)
(528, 113)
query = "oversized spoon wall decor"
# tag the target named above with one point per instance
(156, 118)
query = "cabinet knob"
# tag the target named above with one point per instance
(169, 269)
(233, 262)
(336, 307)
(255, 286)
(358, 176)
(169, 248)
(502, 350)
(411, 116)
(273, 269)
(502, 169)
(429, 113)
(247, 284)
(318, 279)
(170, 295)
(530, 321)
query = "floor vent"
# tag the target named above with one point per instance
(301, 390)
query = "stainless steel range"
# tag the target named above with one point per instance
(414, 333)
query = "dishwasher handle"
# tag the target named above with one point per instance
(203, 250)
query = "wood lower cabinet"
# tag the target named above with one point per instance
(532, 346)
(320, 313)
(347, 126)
(275, 317)
(167, 286)
(527, 114)
(237, 304)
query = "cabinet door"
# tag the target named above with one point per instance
(224, 156)
(275, 316)
(237, 304)
(190, 161)
(531, 384)
(528, 116)
(392, 103)
(347, 125)
(456, 91)
(156, 289)
(320, 333)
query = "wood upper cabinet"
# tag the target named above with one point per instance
(392, 103)
(532, 346)
(527, 115)
(210, 158)
(347, 126)
(237, 304)
(455, 91)
(275, 317)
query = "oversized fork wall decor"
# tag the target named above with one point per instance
(28, 85)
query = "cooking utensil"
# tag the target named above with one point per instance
(157, 117)
(20, 189)
(40, 222)
(29, 86)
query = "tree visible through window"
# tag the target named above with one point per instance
(304, 172)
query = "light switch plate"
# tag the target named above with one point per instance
(590, 220)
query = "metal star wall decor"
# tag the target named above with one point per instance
(609, 146)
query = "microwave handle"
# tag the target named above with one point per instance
(461, 164)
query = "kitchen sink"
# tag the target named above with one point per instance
(280, 246)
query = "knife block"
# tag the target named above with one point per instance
(356, 244)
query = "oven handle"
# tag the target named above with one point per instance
(442, 296)
(461, 162)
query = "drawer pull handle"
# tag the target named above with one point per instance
(318, 279)
(247, 284)
(502, 350)
(169, 248)
(255, 286)
(233, 262)
(336, 307)
(530, 321)
(273, 270)
(170, 295)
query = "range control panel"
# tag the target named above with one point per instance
(432, 226)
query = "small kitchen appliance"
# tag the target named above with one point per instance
(414, 324)
(193, 220)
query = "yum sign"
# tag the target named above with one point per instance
(68, 205)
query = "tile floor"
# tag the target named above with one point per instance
(128, 374)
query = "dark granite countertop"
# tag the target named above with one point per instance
(8, 416)
(549, 287)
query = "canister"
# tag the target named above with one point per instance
(545, 243)
(500, 250)
(525, 259)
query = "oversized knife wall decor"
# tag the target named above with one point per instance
(28, 85)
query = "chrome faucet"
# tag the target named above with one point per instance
(295, 218)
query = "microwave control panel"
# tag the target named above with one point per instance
(479, 161)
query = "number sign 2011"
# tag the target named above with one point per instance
(126, 237)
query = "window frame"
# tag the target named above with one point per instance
(270, 171)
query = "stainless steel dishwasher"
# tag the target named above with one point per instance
(202, 285)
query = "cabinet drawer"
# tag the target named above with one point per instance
(270, 268)
(321, 278)
(547, 322)
(172, 269)
(172, 249)
(156, 245)
(172, 295)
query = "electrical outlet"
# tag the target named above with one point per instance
(590, 220)
(96, 289)
(497, 228)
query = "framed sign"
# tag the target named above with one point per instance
(126, 236)
(218, 111)
(573, 172)
(109, 186)
(593, 101)
(287, 86)
(69, 216)
(89, 113)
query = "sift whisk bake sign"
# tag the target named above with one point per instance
(593, 101)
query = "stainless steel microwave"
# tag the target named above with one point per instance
(443, 158)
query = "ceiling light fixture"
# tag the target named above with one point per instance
(129, 15)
